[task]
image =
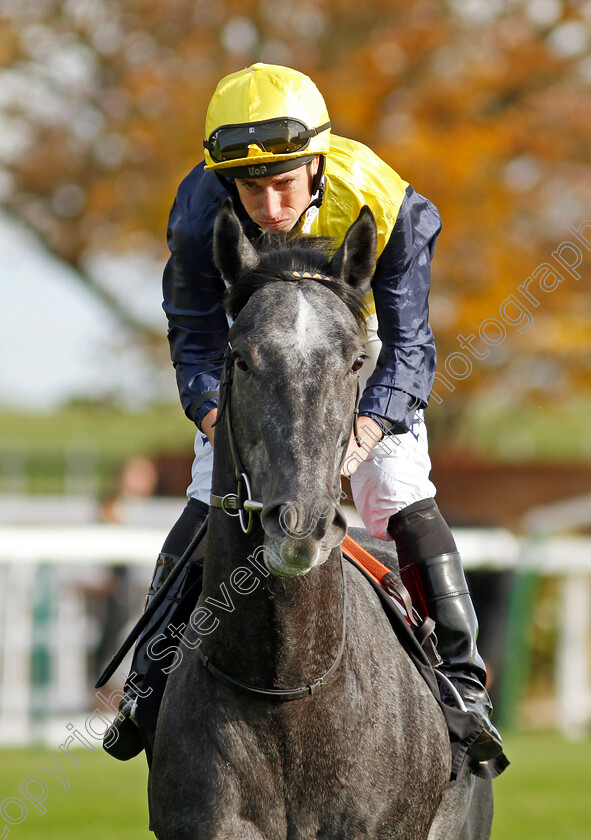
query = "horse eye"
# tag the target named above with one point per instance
(358, 362)
(241, 365)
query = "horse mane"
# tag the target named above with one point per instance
(279, 258)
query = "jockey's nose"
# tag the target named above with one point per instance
(271, 202)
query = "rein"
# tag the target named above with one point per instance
(242, 505)
(284, 694)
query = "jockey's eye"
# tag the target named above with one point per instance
(241, 364)
(358, 362)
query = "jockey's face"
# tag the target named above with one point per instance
(277, 202)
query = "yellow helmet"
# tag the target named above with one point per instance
(264, 120)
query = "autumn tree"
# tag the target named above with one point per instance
(481, 104)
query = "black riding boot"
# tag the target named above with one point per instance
(122, 740)
(431, 570)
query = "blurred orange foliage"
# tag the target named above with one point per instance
(482, 106)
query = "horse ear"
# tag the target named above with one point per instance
(233, 254)
(354, 262)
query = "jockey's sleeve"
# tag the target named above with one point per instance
(402, 380)
(193, 296)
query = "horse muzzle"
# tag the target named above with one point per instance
(300, 537)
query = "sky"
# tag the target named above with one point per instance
(56, 340)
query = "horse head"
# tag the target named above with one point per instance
(296, 344)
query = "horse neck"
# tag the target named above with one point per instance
(271, 631)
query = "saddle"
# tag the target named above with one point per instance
(422, 628)
(417, 637)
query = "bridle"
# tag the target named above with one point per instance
(241, 503)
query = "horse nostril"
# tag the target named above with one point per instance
(291, 520)
(339, 520)
(271, 521)
(338, 527)
(297, 521)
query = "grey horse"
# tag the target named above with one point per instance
(293, 713)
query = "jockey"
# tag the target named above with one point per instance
(268, 145)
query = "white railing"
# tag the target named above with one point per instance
(60, 562)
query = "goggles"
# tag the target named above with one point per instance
(282, 136)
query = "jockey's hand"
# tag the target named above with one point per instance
(207, 424)
(369, 434)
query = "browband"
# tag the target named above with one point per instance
(306, 275)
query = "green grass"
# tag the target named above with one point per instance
(104, 428)
(544, 795)
(99, 437)
(106, 799)
(96, 438)
(526, 433)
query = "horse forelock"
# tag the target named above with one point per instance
(278, 264)
(299, 324)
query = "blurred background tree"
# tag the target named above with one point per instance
(481, 104)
